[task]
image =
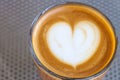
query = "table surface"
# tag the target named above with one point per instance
(16, 17)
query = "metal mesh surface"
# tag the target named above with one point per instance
(16, 17)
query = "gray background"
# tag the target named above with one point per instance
(16, 17)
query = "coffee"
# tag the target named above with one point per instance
(73, 40)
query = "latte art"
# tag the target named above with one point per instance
(73, 46)
(73, 40)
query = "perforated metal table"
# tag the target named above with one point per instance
(16, 17)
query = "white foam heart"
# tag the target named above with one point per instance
(73, 46)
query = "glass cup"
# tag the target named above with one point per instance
(46, 74)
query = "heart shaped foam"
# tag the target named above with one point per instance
(75, 46)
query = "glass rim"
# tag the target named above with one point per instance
(37, 61)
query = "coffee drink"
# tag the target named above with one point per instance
(73, 40)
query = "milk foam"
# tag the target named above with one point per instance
(75, 46)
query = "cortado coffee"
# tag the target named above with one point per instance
(73, 40)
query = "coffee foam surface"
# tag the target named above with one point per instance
(73, 46)
(73, 41)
